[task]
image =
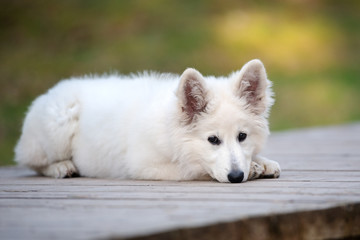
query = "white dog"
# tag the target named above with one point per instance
(152, 126)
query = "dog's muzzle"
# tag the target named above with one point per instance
(236, 176)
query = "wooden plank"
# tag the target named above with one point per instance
(317, 162)
(180, 188)
(67, 220)
(317, 196)
(317, 141)
(334, 223)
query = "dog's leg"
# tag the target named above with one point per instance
(256, 171)
(62, 169)
(272, 168)
(46, 142)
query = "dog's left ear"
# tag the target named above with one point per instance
(253, 86)
(192, 94)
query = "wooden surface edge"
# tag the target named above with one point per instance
(341, 222)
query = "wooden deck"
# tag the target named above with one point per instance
(316, 197)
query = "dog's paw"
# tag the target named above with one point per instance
(272, 169)
(61, 169)
(256, 171)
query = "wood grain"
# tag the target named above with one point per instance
(316, 197)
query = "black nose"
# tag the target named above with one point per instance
(236, 176)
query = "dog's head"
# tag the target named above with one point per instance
(224, 121)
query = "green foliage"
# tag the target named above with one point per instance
(311, 50)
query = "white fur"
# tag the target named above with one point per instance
(151, 126)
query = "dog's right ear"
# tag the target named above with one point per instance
(192, 94)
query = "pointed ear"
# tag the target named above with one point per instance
(252, 86)
(192, 94)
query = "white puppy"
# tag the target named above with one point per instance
(152, 126)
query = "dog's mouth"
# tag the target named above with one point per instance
(234, 176)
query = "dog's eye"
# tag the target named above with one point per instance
(242, 136)
(214, 140)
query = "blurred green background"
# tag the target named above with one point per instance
(310, 50)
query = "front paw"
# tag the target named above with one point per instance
(256, 171)
(272, 169)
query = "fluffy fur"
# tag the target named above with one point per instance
(152, 126)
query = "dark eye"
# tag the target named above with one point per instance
(214, 140)
(242, 136)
